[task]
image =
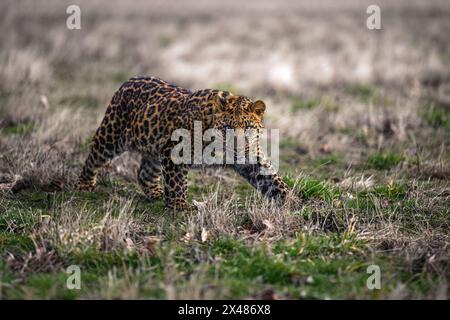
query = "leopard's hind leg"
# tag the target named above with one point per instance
(175, 182)
(149, 177)
(108, 142)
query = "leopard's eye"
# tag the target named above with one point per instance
(227, 126)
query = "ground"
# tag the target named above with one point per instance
(364, 142)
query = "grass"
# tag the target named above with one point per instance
(384, 161)
(363, 92)
(19, 129)
(120, 76)
(308, 187)
(329, 159)
(437, 116)
(300, 104)
(287, 266)
(48, 232)
(298, 268)
(288, 143)
(226, 86)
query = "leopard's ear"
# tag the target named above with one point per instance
(259, 107)
(220, 103)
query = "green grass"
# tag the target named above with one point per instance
(20, 128)
(393, 191)
(225, 86)
(300, 104)
(437, 116)
(297, 268)
(328, 160)
(315, 265)
(363, 92)
(366, 201)
(311, 188)
(121, 76)
(289, 143)
(15, 242)
(384, 161)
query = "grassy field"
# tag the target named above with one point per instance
(364, 119)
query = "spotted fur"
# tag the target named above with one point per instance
(141, 117)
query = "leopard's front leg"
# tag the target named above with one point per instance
(175, 184)
(262, 176)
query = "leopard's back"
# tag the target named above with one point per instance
(135, 111)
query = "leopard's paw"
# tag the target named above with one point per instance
(181, 206)
(84, 186)
(154, 194)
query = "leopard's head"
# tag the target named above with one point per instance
(240, 115)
